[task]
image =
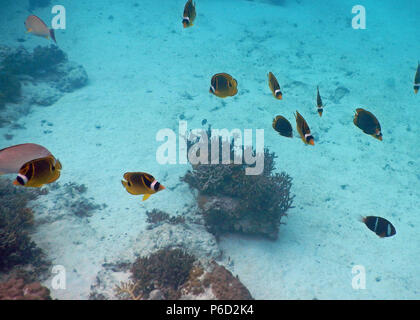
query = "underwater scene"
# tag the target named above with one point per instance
(209, 150)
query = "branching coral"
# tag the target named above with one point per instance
(16, 246)
(173, 273)
(230, 200)
(126, 291)
(166, 269)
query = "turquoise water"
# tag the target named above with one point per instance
(146, 73)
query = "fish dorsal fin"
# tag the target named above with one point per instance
(306, 128)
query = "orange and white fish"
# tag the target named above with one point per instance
(138, 183)
(38, 172)
(223, 85)
(189, 14)
(303, 129)
(37, 27)
(274, 86)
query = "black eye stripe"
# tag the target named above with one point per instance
(20, 181)
(29, 174)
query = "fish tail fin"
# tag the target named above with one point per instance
(52, 35)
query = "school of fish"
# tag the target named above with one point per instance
(35, 166)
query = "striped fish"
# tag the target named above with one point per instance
(382, 227)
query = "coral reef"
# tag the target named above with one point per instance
(49, 64)
(190, 236)
(164, 270)
(16, 220)
(41, 77)
(172, 273)
(231, 201)
(40, 63)
(224, 285)
(17, 289)
(10, 89)
(217, 282)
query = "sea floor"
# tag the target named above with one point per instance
(146, 73)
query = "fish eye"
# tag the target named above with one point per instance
(156, 187)
(129, 183)
(53, 168)
(20, 181)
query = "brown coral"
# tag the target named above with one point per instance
(166, 270)
(225, 286)
(16, 289)
(16, 246)
(220, 281)
(232, 201)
